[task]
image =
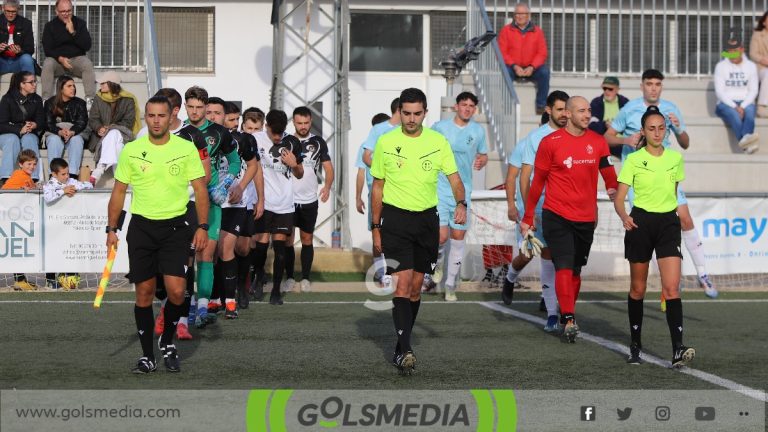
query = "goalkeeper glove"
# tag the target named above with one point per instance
(530, 246)
(220, 192)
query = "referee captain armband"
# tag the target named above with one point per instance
(530, 246)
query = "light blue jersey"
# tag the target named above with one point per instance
(370, 144)
(466, 143)
(627, 122)
(529, 155)
(515, 159)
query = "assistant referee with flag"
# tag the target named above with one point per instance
(405, 222)
(159, 167)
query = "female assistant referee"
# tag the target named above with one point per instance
(653, 225)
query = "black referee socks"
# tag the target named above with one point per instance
(145, 321)
(635, 310)
(675, 321)
(414, 312)
(402, 315)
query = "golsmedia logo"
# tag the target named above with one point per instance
(457, 410)
(333, 412)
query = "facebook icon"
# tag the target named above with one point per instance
(588, 413)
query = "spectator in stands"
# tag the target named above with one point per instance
(758, 53)
(524, 49)
(22, 121)
(66, 119)
(115, 119)
(736, 84)
(66, 40)
(17, 42)
(605, 107)
(22, 179)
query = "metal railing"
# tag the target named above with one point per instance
(625, 37)
(494, 86)
(116, 29)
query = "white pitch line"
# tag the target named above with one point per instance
(647, 358)
(363, 302)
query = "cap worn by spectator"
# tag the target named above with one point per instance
(611, 80)
(108, 76)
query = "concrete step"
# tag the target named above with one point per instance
(709, 135)
(695, 98)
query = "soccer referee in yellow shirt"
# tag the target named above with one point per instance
(159, 167)
(653, 225)
(405, 223)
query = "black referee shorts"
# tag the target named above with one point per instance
(568, 241)
(410, 238)
(305, 216)
(233, 220)
(658, 232)
(158, 247)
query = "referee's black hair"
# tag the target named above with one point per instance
(413, 95)
(277, 121)
(652, 110)
(652, 74)
(159, 100)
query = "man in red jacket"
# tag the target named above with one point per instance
(524, 49)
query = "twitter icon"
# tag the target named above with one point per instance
(623, 413)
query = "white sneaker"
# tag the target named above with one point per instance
(450, 294)
(287, 285)
(306, 285)
(749, 143)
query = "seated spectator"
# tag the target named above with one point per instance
(605, 107)
(736, 83)
(66, 40)
(17, 42)
(114, 120)
(66, 124)
(22, 121)
(758, 53)
(22, 179)
(524, 50)
(61, 183)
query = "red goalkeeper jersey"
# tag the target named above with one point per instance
(571, 164)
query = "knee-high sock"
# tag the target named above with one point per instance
(229, 275)
(635, 312)
(145, 321)
(172, 314)
(252, 264)
(548, 286)
(414, 313)
(278, 246)
(402, 315)
(453, 266)
(290, 261)
(380, 264)
(260, 257)
(675, 321)
(307, 257)
(576, 285)
(696, 249)
(189, 291)
(564, 289)
(218, 281)
(204, 281)
(243, 268)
